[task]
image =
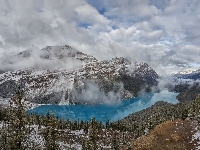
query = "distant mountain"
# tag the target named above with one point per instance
(189, 93)
(194, 75)
(187, 84)
(64, 75)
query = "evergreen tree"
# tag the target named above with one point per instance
(50, 133)
(194, 110)
(115, 142)
(16, 128)
(93, 138)
(84, 145)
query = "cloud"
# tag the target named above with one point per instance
(132, 11)
(35, 58)
(88, 14)
(92, 94)
(162, 33)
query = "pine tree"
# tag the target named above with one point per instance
(194, 110)
(16, 128)
(115, 142)
(107, 123)
(50, 133)
(84, 145)
(93, 138)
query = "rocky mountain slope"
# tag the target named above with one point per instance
(187, 84)
(193, 75)
(189, 93)
(63, 75)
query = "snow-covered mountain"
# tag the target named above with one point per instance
(193, 75)
(187, 84)
(63, 75)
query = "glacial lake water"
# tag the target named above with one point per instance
(102, 112)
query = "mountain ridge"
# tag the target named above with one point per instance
(113, 79)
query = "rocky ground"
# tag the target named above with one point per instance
(171, 135)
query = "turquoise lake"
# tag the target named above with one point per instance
(102, 112)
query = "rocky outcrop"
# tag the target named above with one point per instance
(8, 88)
(52, 98)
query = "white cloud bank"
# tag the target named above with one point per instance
(163, 33)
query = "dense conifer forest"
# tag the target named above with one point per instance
(20, 130)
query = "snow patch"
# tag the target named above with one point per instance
(196, 137)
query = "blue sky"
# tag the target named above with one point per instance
(163, 33)
(98, 4)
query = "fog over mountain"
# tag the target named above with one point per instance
(64, 75)
(99, 74)
(163, 33)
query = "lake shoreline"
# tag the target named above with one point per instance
(103, 112)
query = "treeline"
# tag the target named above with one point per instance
(160, 112)
(21, 131)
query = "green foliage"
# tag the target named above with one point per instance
(15, 130)
(194, 109)
(50, 132)
(115, 143)
(17, 126)
(84, 144)
(93, 136)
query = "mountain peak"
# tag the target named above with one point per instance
(65, 75)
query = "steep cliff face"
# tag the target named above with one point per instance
(75, 77)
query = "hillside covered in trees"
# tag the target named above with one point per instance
(20, 130)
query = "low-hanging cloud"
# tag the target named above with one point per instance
(93, 94)
(140, 30)
(35, 58)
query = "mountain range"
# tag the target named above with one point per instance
(187, 84)
(193, 75)
(64, 75)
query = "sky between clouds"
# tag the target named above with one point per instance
(163, 33)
